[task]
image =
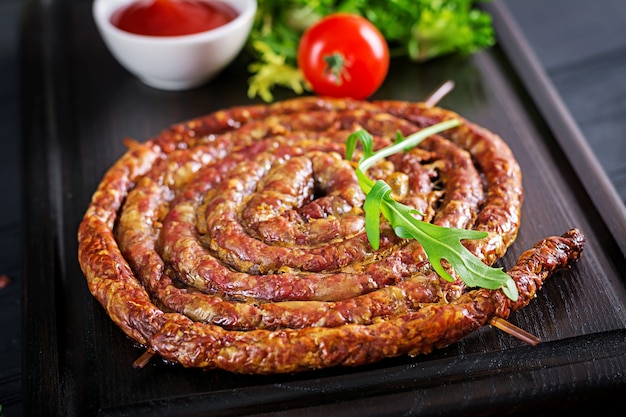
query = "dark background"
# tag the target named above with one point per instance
(581, 44)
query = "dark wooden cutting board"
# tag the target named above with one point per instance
(78, 106)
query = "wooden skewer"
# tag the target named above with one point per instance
(143, 359)
(513, 330)
(439, 93)
(131, 143)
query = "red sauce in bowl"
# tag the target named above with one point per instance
(172, 17)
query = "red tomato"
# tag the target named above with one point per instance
(343, 55)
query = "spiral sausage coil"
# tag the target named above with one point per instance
(236, 240)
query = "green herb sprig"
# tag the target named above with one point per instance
(438, 242)
(418, 29)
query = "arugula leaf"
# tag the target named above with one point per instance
(439, 243)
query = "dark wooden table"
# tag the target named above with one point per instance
(575, 51)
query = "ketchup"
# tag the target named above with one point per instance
(172, 17)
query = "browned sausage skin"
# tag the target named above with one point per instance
(236, 240)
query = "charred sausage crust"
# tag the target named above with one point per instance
(236, 240)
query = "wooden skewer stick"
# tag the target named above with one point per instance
(505, 326)
(143, 359)
(439, 93)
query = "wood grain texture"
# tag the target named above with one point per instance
(582, 47)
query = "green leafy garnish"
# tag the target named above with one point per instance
(418, 29)
(439, 243)
(273, 70)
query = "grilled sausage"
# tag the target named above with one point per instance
(236, 240)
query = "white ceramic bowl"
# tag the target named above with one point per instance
(175, 62)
